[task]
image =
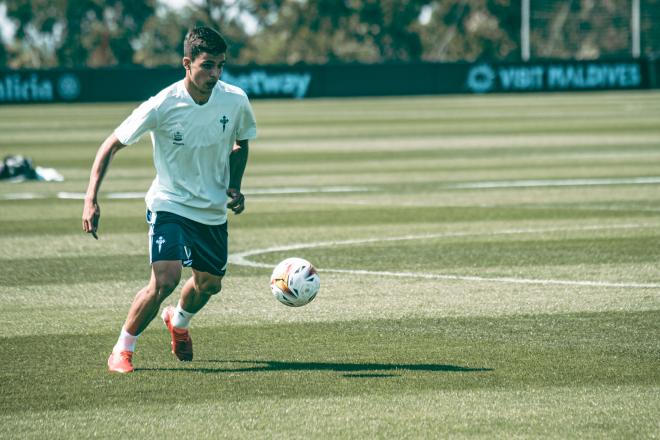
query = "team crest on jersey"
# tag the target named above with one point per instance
(224, 121)
(177, 138)
(177, 135)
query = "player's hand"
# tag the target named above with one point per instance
(237, 200)
(90, 218)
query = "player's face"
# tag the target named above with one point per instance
(204, 72)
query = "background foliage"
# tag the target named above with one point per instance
(94, 33)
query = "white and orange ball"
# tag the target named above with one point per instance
(295, 282)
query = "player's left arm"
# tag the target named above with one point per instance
(237, 163)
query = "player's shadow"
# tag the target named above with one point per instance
(349, 369)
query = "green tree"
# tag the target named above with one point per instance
(3, 55)
(102, 33)
(319, 31)
(467, 30)
(650, 33)
(38, 29)
(584, 30)
(74, 33)
(161, 42)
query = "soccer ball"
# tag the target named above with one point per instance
(295, 282)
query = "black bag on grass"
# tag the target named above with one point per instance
(17, 167)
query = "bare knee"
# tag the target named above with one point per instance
(164, 279)
(164, 286)
(208, 285)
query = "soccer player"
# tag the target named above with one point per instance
(200, 127)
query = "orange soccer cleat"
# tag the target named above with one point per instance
(121, 362)
(181, 341)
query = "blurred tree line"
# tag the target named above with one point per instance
(96, 33)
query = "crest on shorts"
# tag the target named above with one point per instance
(160, 242)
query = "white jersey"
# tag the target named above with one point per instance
(191, 146)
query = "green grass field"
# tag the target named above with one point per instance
(490, 267)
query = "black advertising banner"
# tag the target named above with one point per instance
(84, 85)
(336, 80)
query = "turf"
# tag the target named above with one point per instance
(447, 309)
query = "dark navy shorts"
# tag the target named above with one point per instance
(202, 247)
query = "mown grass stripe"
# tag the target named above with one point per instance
(602, 349)
(350, 216)
(374, 356)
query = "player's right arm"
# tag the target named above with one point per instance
(91, 209)
(143, 119)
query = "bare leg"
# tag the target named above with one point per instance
(198, 290)
(195, 293)
(165, 276)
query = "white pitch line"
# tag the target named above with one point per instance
(64, 195)
(22, 196)
(624, 208)
(495, 184)
(550, 183)
(241, 258)
(70, 196)
(302, 190)
(496, 279)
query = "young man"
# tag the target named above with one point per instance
(199, 128)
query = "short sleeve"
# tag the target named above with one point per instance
(247, 125)
(143, 119)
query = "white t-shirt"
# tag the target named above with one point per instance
(191, 146)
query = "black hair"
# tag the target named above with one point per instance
(203, 39)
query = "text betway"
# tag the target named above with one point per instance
(261, 83)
